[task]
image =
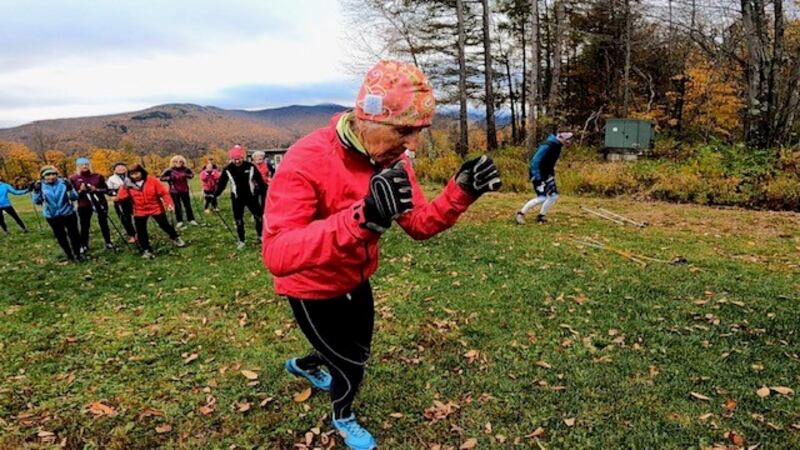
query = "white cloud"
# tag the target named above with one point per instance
(301, 47)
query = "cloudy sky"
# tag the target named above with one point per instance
(68, 58)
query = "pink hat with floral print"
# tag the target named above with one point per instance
(396, 93)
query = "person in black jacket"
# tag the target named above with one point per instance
(246, 187)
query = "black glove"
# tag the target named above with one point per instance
(479, 176)
(36, 187)
(389, 197)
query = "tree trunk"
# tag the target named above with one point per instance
(512, 100)
(491, 130)
(627, 70)
(530, 142)
(756, 72)
(524, 97)
(558, 44)
(774, 70)
(463, 140)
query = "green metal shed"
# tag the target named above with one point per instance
(629, 134)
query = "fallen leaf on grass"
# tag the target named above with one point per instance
(735, 438)
(705, 417)
(730, 406)
(539, 432)
(439, 411)
(763, 392)
(783, 390)
(469, 444)
(166, 428)
(569, 422)
(543, 365)
(471, 356)
(243, 407)
(249, 374)
(302, 396)
(396, 415)
(101, 409)
(190, 358)
(699, 396)
(151, 412)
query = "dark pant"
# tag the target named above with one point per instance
(85, 216)
(13, 214)
(182, 200)
(340, 330)
(124, 211)
(252, 203)
(65, 228)
(211, 200)
(141, 229)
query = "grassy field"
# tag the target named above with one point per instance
(491, 334)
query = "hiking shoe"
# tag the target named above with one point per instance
(540, 219)
(207, 211)
(319, 378)
(193, 222)
(179, 242)
(241, 245)
(355, 436)
(520, 218)
(147, 254)
(109, 246)
(179, 225)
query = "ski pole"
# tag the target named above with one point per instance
(224, 222)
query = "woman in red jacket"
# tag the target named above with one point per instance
(150, 199)
(337, 191)
(209, 176)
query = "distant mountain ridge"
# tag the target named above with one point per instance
(175, 128)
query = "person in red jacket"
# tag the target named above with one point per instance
(338, 189)
(209, 176)
(150, 199)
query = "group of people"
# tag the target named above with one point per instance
(338, 191)
(69, 204)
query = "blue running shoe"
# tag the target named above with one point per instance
(318, 377)
(355, 436)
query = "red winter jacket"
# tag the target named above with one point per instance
(313, 243)
(210, 180)
(263, 169)
(150, 200)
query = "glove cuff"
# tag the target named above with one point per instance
(373, 221)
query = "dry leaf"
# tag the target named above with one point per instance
(544, 365)
(569, 422)
(469, 444)
(249, 374)
(166, 428)
(151, 412)
(206, 410)
(101, 409)
(302, 396)
(243, 407)
(699, 396)
(396, 415)
(730, 406)
(763, 392)
(736, 438)
(705, 417)
(190, 358)
(471, 356)
(539, 432)
(783, 390)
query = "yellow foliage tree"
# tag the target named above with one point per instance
(713, 101)
(18, 164)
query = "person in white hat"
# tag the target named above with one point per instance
(543, 176)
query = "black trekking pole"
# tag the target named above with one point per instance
(197, 212)
(36, 213)
(224, 222)
(98, 209)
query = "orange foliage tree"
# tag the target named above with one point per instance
(18, 164)
(713, 100)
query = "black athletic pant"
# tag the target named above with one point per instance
(187, 203)
(252, 203)
(124, 211)
(211, 201)
(85, 216)
(340, 330)
(13, 214)
(141, 229)
(65, 228)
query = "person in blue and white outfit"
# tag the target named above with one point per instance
(543, 176)
(56, 196)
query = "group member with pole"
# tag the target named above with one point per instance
(542, 173)
(124, 209)
(7, 208)
(246, 187)
(91, 187)
(178, 176)
(56, 196)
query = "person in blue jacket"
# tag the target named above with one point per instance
(542, 173)
(56, 195)
(7, 208)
